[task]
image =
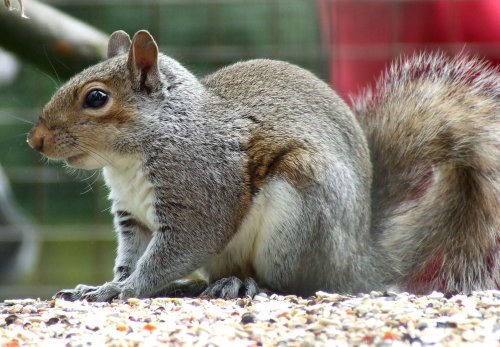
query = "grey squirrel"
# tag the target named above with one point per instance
(262, 177)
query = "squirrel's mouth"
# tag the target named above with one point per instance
(83, 161)
(75, 159)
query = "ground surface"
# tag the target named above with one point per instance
(322, 320)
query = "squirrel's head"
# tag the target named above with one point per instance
(85, 122)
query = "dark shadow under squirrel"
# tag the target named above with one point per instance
(260, 176)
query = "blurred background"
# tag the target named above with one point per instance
(55, 226)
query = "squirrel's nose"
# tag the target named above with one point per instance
(37, 136)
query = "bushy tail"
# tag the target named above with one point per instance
(433, 127)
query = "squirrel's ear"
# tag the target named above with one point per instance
(119, 43)
(143, 62)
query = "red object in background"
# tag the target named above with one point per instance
(364, 36)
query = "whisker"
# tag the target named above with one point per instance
(94, 175)
(13, 137)
(56, 83)
(88, 190)
(17, 118)
(107, 209)
(93, 153)
(88, 147)
(90, 176)
(52, 65)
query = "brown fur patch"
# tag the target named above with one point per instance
(269, 156)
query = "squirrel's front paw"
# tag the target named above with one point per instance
(127, 293)
(74, 294)
(107, 292)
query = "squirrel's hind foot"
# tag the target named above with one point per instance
(232, 288)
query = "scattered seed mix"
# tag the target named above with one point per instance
(380, 319)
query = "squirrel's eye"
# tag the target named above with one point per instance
(96, 98)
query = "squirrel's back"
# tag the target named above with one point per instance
(290, 106)
(276, 90)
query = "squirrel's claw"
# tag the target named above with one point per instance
(107, 292)
(74, 294)
(66, 294)
(232, 288)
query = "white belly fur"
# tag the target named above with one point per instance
(130, 190)
(275, 205)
